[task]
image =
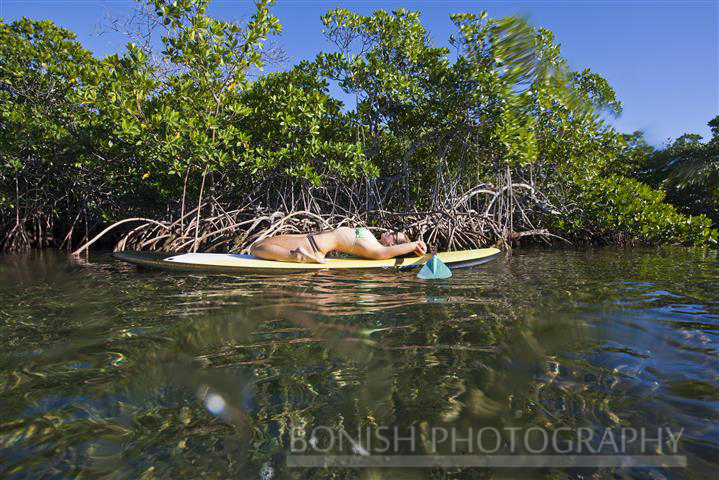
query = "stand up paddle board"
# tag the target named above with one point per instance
(229, 262)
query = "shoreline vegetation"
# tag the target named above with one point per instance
(491, 141)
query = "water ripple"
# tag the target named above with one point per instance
(110, 371)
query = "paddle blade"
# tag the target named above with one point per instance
(434, 269)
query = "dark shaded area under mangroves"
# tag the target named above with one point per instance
(494, 141)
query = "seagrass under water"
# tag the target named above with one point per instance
(107, 371)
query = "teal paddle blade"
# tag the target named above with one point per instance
(434, 269)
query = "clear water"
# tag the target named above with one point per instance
(107, 371)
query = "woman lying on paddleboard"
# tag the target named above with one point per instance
(358, 242)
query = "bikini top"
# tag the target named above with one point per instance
(361, 232)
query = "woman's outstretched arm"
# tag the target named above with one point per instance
(380, 252)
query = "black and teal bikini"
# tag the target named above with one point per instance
(360, 232)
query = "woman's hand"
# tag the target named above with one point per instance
(420, 248)
(303, 256)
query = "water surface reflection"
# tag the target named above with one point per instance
(110, 371)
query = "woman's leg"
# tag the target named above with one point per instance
(270, 251)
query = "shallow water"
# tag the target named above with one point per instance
(107, 371)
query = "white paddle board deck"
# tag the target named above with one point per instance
(228, 262)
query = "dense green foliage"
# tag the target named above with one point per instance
(43, 147)
(617, 209)
(85, 141)
(688, 170)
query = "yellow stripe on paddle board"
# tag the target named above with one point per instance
(248, 261)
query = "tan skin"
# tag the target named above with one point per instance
(297, 248)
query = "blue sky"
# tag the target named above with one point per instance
(661, 57)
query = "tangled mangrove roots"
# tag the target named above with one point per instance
(32, 230)
(484, 215)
